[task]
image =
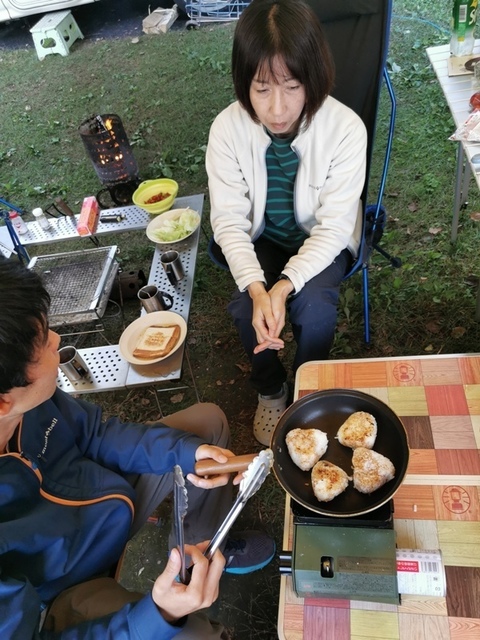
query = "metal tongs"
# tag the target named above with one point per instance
(252, 480)
(180, 505)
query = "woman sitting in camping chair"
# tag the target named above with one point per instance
(286, 166)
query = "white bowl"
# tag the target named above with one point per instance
(166, 219)
(130, 337)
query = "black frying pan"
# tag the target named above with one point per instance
(327, 410)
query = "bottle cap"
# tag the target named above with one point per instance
(37, 212)
(12, 214)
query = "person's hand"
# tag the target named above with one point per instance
(175, 599)
(211, 452)
(278, 300)
(263, 319)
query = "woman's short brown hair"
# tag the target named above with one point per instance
(286, 29)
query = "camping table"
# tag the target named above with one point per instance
(457, 91)
(108, 370)
(437, 506)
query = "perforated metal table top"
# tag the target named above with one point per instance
(64, 227)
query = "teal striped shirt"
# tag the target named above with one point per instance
(282, 165)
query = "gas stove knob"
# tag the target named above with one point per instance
(326, 567)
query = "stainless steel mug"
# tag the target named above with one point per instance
(72, 364)
(173, 266)
(153, 299)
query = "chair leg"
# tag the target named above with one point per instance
(366, 303)
(395, 262)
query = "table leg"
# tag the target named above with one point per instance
(462, 179)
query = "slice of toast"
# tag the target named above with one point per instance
(157, 341)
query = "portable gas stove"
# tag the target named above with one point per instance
(350, 558)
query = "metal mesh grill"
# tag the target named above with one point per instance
(75, 281)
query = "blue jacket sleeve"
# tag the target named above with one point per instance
(128, 447)
(19, 609)
(20, 619)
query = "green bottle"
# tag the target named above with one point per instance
(464, 17)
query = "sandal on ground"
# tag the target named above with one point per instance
(267, 415)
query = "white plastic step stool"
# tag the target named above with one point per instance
(55, 33)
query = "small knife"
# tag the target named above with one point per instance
(180, 505)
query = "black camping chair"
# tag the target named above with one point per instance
(358, 34)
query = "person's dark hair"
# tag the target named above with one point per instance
(24, 304)
(290, 30)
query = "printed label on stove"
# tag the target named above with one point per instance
(421, 572)
(359, 564)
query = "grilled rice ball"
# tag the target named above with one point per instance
(371, 470)
(328, 481)
(306, 446)
(358, 430)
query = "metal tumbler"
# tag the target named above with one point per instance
(72, 364)
(173, 266)
(153, 299)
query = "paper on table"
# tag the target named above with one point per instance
(469, 131)
(456, 66)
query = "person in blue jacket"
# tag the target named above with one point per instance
(75, 487)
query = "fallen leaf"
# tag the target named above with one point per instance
(433, 327)
(392, 194)
(472, 280)
(244, 368)
(435, 230)
(144, 401)
(178, 397)
(231, 382)
(413, 206)
(135, 40)
(423, 279)
(458, 332)
(475, 216)
(429, 347)
(140, 571)
(219, 383)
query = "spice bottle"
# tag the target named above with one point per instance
(464, 17)
(18, 222)
(40, 218)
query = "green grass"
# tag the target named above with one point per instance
(157, 86)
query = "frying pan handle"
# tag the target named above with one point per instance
(236, 463)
